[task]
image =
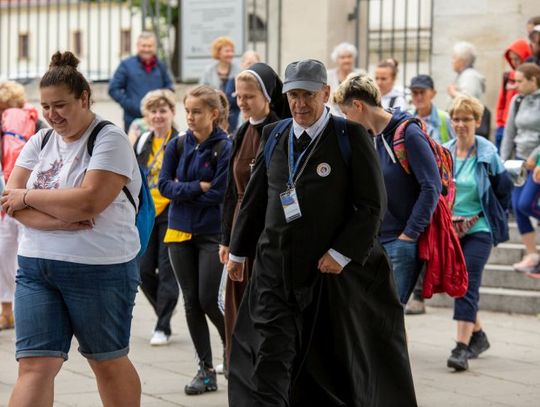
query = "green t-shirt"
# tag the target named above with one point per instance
(467, 199)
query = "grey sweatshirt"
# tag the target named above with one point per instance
(471, 82)
(522, 131)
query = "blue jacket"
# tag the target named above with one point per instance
(494, 187)
(192, 210)
(131, 82)
(412, 198)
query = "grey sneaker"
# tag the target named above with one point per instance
(415, 307)
(205, 380)
(479, 343)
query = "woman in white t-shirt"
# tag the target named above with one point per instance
(77, 258)
(392, 96)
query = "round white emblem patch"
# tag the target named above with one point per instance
(323, 169)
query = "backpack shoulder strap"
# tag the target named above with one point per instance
(398, 142)
(92, 139)
(273, 139)
(340, 127)
(180, 141)
(46, 138)
(141, 141)
(129, 196)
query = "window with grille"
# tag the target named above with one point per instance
(24, 47)
(125, 42)
(77, 42)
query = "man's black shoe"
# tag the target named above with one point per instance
(459, 357)
(479, 343)
(205, 380)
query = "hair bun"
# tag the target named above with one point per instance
(393, 61)
(67, 58)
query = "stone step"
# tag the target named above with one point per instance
(507, 253)
(504, 276)
(498, 299)
(514, 233)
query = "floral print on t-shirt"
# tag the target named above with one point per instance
(49, 179)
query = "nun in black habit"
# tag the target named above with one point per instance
(320, 323)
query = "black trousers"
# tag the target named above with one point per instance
(198, 270)
(157, 277)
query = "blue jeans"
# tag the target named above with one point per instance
(526, 203)
(55, 300)
(498, 137)
(476, 249)
(404, 257)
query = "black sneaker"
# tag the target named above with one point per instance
(479, 343)
(225, 366)
(459, 357)
(535, 273)
(205, 380)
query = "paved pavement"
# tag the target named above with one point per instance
(508, 375)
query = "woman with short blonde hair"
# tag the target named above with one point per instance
(483, 190)
(12, 101)
(12, 94)
(158, 282)
(467, 104)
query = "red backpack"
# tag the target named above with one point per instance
(438, 246)
(17, 125)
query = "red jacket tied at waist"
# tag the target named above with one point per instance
(440, 249)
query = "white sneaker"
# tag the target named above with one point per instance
(159, 339)
(219, 369)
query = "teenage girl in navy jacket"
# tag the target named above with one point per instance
(194, 176)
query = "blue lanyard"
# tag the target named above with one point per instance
(293, 166)
(456, 173)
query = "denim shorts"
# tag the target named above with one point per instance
(55, 300)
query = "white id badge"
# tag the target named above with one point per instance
(291, 207)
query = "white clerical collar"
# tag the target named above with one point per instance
(316, 128)
(255, 122)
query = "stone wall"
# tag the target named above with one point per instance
(311, 29)
(491, 25)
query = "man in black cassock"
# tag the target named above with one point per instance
(320, 323)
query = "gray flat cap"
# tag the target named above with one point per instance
(308, 74)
